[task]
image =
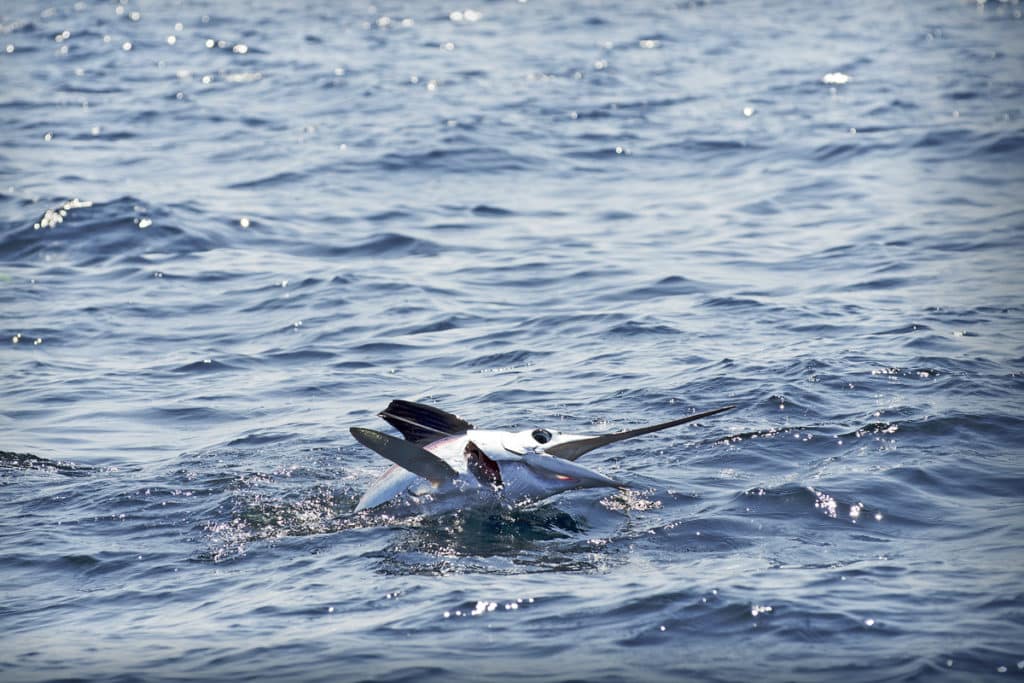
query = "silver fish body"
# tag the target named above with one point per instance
(443, 463)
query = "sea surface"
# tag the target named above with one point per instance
(230, 231)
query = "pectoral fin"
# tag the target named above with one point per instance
(409, 456)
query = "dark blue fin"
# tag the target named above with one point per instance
(411, 457)
(421, 423)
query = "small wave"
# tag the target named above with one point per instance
(673, 285)
(705, 148)
(260, 439)
(893, 283)
(785, 500)
(89, 233)
(27, 461)
(205, 366)
(491, 211)
(837, 152)
(391, 349)
(1008, 144)
(633, 328)
(390, 216)
(300, 357)
(274, 180)
(506, 359)
(390, 243)
(938, 138)
(761, 208)
(458, 160)
(449, 322)
(732, 302)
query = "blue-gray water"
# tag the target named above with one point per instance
(590, 215)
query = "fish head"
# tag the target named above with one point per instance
(502, 445)
(538, 439)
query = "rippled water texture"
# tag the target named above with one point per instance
(231, 231)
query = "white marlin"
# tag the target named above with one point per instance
(444, 458)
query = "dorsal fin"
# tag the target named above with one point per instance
(416, 459)
(421, 423)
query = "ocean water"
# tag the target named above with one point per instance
(231, 231)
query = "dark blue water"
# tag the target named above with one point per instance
(232, 231)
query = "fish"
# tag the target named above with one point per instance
(443, 463)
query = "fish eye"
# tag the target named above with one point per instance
(541, 435)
